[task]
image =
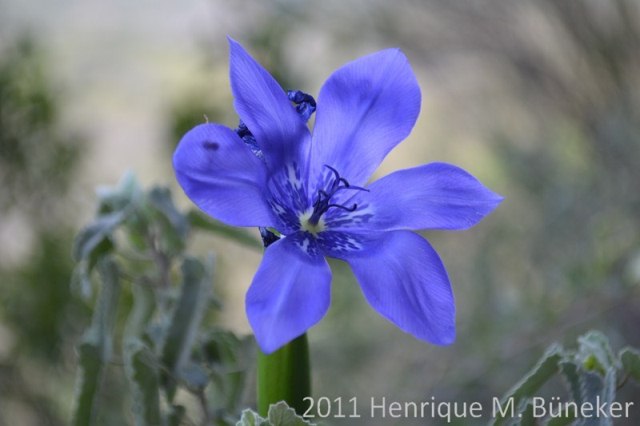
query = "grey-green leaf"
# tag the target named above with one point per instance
(229, 358)
(591, 385)
(126, 193)
(80, 281)
(141, 313)
(106, 310)
(630, 360)
(538, 376)
(281, 414)
(95, 349)
(525, 413)
(570, 372)
(609, 388)
(91, 237)
(160, 198)
(595, 352)
(186, 317)
(598, 389)
(104, 317)
(88, 380)
(251, 418)
(141, 368)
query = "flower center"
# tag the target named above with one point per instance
(323, 202)
(312, 228)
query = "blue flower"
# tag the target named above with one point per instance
(312, 188)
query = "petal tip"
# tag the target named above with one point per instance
(269, 338)
(268, 348)
(447, 338)
(495, 200)
(267, 342)
(233, 44)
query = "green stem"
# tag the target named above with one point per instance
(285, 375)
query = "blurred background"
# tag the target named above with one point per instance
(538, 99)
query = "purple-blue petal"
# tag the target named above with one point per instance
(432, 196)
(280, 132)
(364, 110)
(220, 174)
(289, 293)
(403, 278)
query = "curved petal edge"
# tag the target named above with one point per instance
(364, 110)
(280, 132)
(221, 175)
(403, 278)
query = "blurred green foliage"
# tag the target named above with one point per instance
(37, 155)
(38, 160)
(592, 375)
(147, 321)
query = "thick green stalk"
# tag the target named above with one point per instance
(285, 375)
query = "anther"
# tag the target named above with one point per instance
(305, 104)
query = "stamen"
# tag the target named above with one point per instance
(359, 188)
(322, 204)
(353, 208)
(335, 172)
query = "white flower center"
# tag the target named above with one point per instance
(313, 228)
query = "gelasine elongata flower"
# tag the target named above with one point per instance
(312, 188)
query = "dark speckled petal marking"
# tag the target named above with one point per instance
(307, 243)
(288, 197)
(338, 244)
(339, 219)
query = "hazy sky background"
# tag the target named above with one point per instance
(119, 62)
